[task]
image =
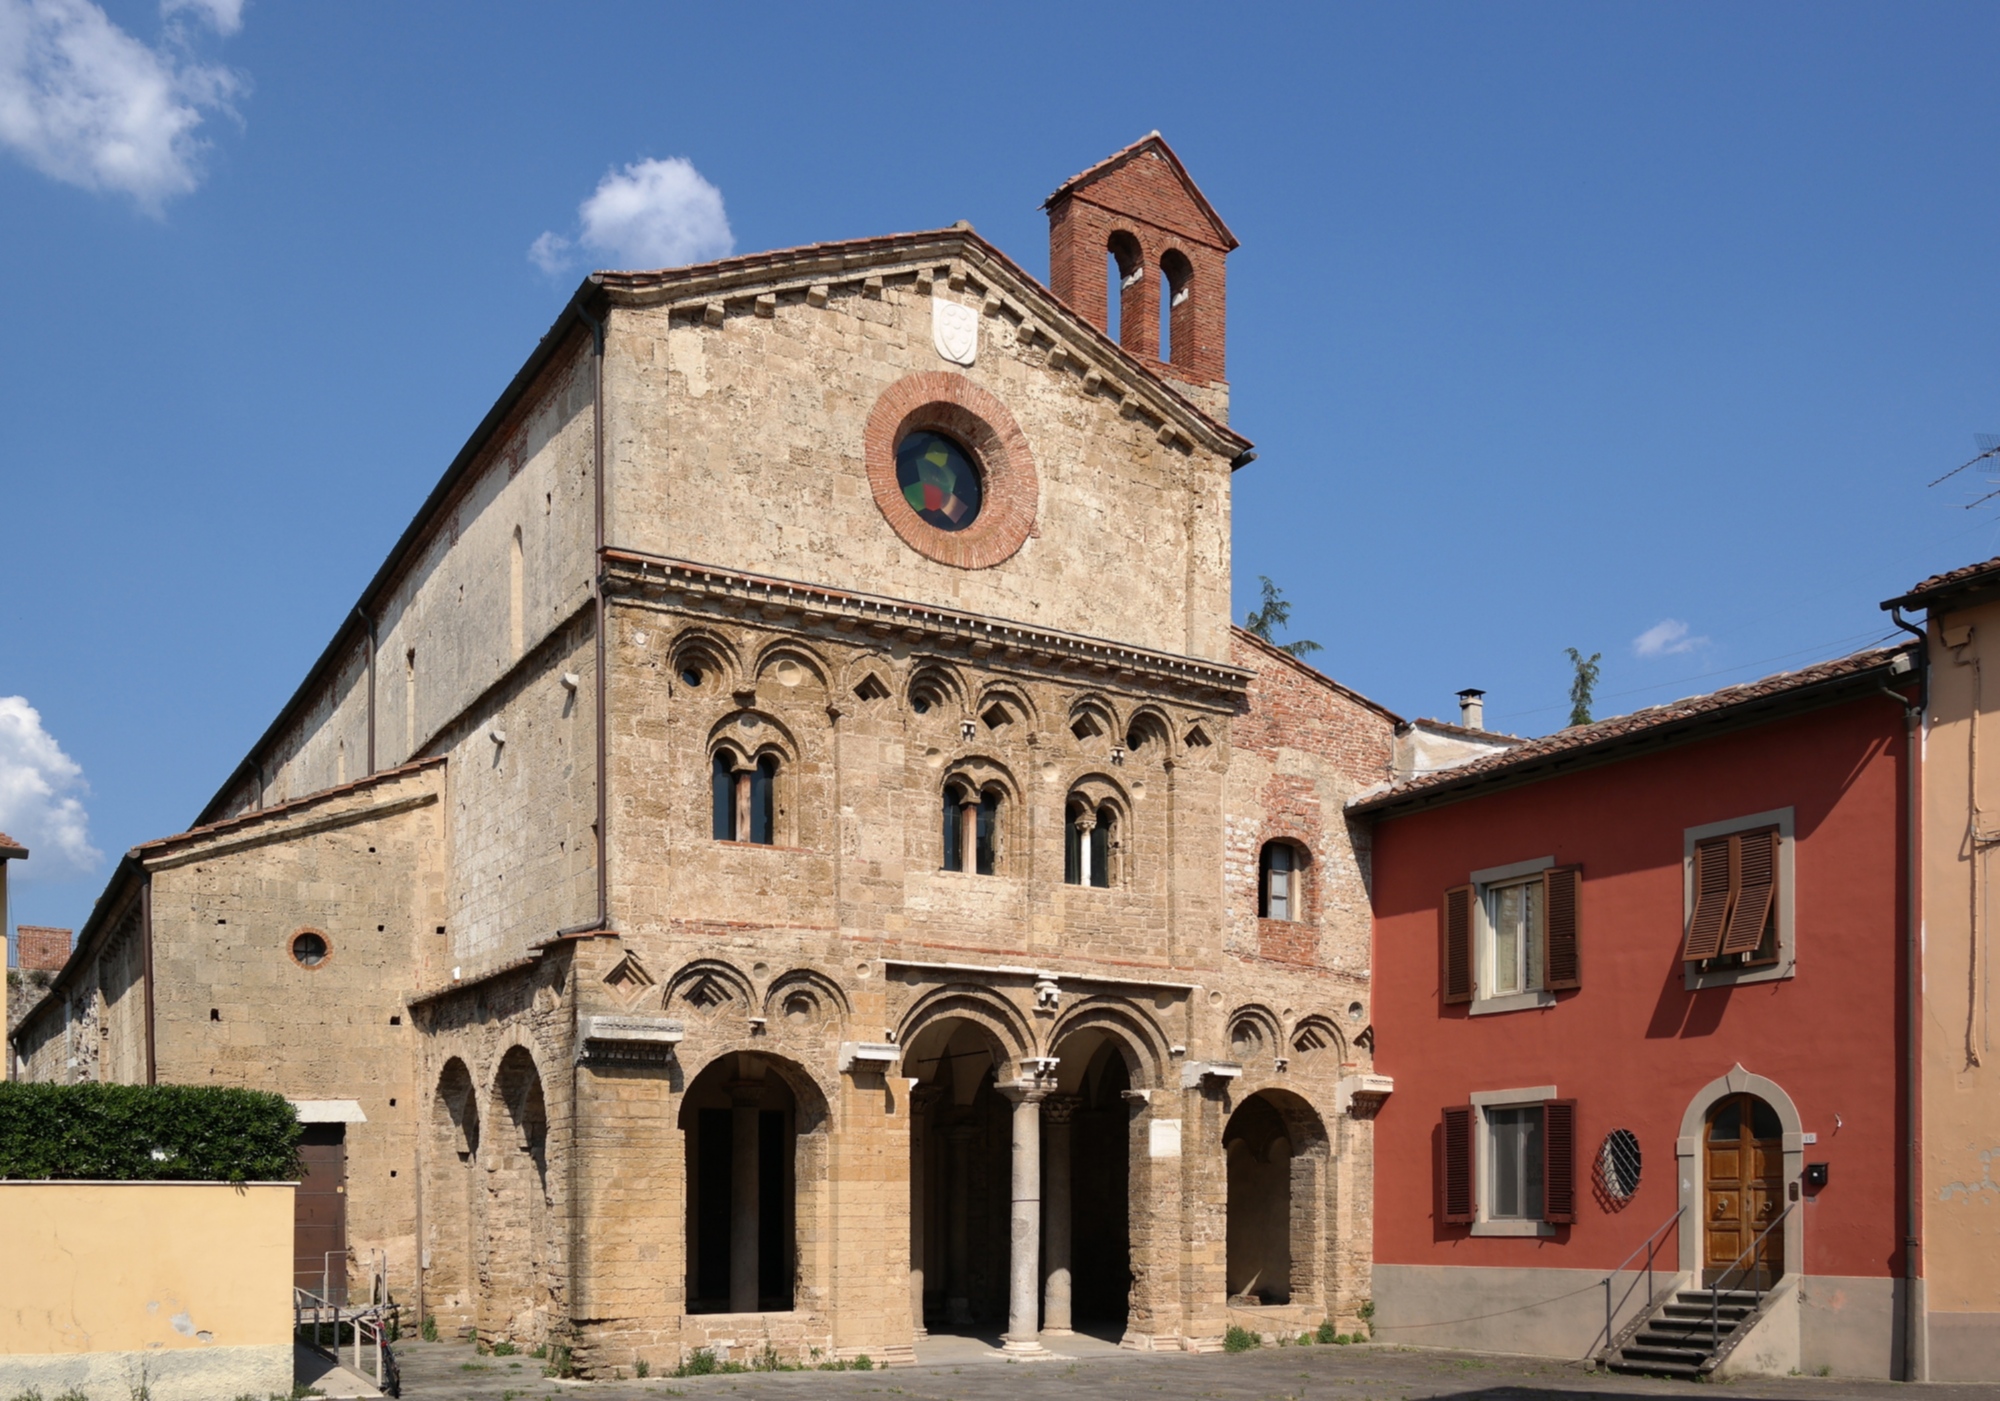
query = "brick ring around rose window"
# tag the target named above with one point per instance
(960, 421)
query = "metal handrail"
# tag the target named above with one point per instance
(369, 1322)
(1757, 1295)
(1648, 1245)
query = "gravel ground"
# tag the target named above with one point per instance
(966, 1369)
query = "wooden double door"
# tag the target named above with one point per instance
(1743, 1190)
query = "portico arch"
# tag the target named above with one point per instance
(1279, 1158)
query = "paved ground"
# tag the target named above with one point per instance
(966, 1369)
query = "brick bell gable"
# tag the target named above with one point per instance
(1141, 206)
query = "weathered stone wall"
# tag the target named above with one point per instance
(741, 444)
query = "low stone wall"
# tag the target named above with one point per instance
(182, 1288)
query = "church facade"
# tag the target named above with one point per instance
(789, 851)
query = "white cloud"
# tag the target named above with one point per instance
(86, 103)
(41, 795)
(224, 16)
(1666, 638)
(653, 214)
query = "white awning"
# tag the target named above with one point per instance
(329, 1111)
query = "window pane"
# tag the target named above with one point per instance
(1072, 848)
(954, 846)
(763, 801)
(1100, 850)
(1507, 939)
(1516, 1147)
(1280, 900)
(989, 813)
(1531, 934)
(723, 786)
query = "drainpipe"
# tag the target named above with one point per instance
(1915, 1360)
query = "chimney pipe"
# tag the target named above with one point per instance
(1472, 708)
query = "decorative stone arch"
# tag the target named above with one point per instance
(451, 1223)
(936, 691)
(867, 677)
(1252, 1031)
(710, 654)
(739, 1077)
(794, 667)
(1690, 1163)
(518, 1269)
(1307, 1174)
(1149, 735)
(1007, 1030)
(709, 988)
(1092, 721)
(1317, 1039)
(826, 1000)
(1145, 1047)
(1017, 708)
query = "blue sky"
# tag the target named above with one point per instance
(1554, 325)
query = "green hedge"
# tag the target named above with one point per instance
(147, 1133)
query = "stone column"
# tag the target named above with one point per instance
(1024, 1255)
(922, 1097)
(958, 1257)
(744, 1098)
(1056, 1114)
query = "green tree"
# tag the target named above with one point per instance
(1276, 614)
(1582, 685)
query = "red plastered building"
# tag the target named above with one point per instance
(1639, 985)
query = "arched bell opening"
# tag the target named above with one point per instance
(746, 1118)
(960, 1177)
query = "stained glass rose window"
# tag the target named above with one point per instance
(938, 479)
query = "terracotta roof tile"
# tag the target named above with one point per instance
(1605, 733)
(1965, 576)
(10, 848)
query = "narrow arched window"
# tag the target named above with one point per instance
(1102, 835)
(1278, 889)
(1076, 845)
(764, 801)
(987, 845)
(954, 825)
(743, 802)
(722, 793)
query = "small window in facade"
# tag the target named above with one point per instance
(1514, 922)
(1514, 1155)
(1089, 837)
(1278, 885)
(1734, 919)
(743, 801)
(691, 675)
(1513, 933)
(309, 949)
(971, 829)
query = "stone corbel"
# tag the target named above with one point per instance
(1362, 1095)
(868, 1057)
(1194, 1072)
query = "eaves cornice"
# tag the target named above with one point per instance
(687, 583)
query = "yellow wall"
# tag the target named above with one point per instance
(144, 1266)
(1961, 1044)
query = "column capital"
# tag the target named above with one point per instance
(1026, 1091)
(1060, 1109)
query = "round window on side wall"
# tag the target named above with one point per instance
(310, 948)
(1617, 1168)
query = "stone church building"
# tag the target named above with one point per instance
(789, 849)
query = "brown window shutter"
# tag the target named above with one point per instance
(1562, 889)
(1456, 1186)
(1559, 1161)
(1455, 927)
(1756, 884)
(1713, 883)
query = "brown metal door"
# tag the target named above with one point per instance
(1743, 1177)
(319, 1216)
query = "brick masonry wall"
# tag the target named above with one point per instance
(40, 948)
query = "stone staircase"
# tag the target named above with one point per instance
(1676, 1339)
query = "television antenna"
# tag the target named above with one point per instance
(1989, 446)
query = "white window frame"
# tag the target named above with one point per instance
(1787, 965)
(1485, 1003)
(1530, 1097)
